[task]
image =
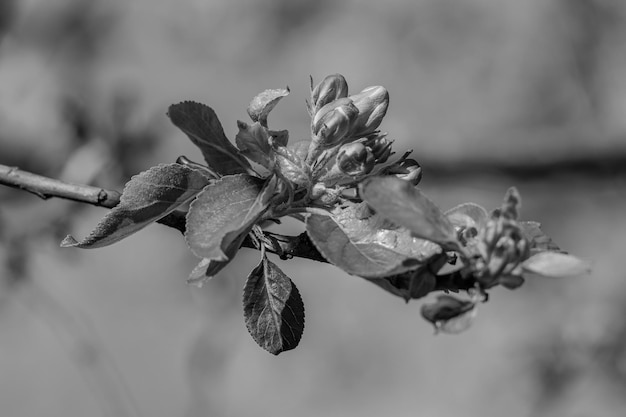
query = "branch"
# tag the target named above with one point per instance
(44, 187)
(284, 246)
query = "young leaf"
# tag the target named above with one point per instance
(201, 125)
(263, 103)
(406, 206)
(292, 166)
(555, 264)
(223, 211)
(273, 308)
(364, 247)
(146, 198)
(253, 141)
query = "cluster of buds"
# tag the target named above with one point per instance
(346, 146)
(358, 158)
(337, 118)
(502, 246)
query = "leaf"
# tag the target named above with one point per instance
(409, 285)
(292, 166)
(264, 103)
(273, 308)
(450, 314)
(201, 125)
(366, 247)
(406, 206)
(207, 268)
(253, 141)
(468, 215)
(223, 211)
(280, 137)
(538, 240)
(555, 264)
(146, 198)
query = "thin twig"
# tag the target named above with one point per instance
(45, 188)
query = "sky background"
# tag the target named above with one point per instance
(487, 93)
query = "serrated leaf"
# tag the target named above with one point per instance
(202, 126)
(555, 264)
(146, 198)
(366, 247)
(406, 206)
(264, 103)
(223, 211)
(468, 215)
(538, 240)
(273, 308)
(253, 141)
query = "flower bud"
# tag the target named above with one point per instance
(381, 148)
(329, 89)
(355, 159)
(333, 122)
(409, 170)
(372, 105)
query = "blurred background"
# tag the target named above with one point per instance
(488, 93)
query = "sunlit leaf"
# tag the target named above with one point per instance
(555, 264)
(201, 125)
(223, 211)
(273, 308)
(263, 103)
(365, 246)
(406, 206)
(146, 198)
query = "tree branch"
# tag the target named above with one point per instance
(284, 246)
(44, 187)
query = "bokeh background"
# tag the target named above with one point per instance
(488, 93)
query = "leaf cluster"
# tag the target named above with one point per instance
(358, 202)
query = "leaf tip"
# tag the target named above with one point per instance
(69, 242)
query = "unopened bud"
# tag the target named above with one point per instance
(381, 148)
(372, 104)
(329, 89)
(355, 159)
(333, 122)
